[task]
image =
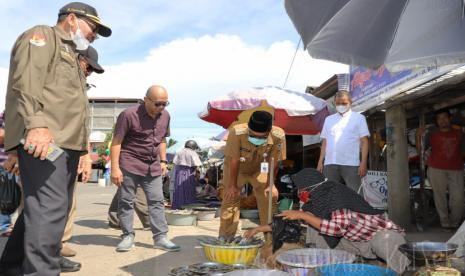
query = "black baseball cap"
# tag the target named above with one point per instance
(91, 56)
(89, 12)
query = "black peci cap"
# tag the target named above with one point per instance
(261, 121)
(84, 10)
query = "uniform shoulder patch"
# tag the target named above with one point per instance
(278, 133)
(240, 129)
(37, 40)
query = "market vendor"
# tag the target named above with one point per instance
(339, 218)
(249, 146)
(445, 167)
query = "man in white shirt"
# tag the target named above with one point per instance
(344, 134)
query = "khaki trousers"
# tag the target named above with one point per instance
(230, 210)
(70, 221)
(443, 181)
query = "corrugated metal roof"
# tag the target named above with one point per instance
(438, 81)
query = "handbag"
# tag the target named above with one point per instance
(10, 194)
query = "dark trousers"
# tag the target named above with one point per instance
(153, 189)
(140, 206)
(35, 242)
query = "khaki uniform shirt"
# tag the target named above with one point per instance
(46, 88)
(250, 156)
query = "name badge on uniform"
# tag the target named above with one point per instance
(264, 167)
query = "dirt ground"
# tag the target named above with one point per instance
(95, 242)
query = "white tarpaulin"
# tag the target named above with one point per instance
(459, 239)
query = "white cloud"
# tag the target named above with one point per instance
(195, 70)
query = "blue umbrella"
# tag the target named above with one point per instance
(399, 33)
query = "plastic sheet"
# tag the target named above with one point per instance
(284, 231)
(10, 194)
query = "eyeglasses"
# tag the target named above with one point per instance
(93, 28)
(158, 104)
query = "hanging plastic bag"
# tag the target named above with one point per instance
(10, 194)
(284, 231)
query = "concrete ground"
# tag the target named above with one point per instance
(95, 242)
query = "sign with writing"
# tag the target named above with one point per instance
(375, 189)
(370, 88)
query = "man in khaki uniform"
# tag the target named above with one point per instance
(88, 61)
(46, 103)
(248, 146)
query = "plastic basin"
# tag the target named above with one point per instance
(354, 270)
(302, 262)
(231, 254)
(178, 219)
(249, 213)
(257, 272)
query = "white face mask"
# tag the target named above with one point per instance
(79, 39)
(342, 108)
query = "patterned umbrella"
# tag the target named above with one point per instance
(402, 34)
(297, 113)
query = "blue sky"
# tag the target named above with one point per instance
(197, 49)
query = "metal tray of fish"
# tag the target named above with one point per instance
(185, 270)
(208, 268)
(437, 251)
(181, 271)
(236, 241)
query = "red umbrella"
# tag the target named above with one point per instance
(296, 113)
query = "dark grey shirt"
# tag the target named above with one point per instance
(141, 136)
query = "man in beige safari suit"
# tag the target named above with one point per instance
(46, 103)
(248, 146)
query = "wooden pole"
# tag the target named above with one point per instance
(397, 166)
(373, 143)
(270, 189)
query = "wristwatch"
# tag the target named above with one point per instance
(164, 161)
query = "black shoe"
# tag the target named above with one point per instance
(67, 265)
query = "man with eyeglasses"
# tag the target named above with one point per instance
(46, 103)
(248, 147)
(138, 158)
(88, 62)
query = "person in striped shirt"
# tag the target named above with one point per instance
(339, 218)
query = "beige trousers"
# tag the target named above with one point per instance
(230, 210)
(70, 221)
(443, 181)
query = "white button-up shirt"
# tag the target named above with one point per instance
(342, 134)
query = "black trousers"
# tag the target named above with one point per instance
(33, 248)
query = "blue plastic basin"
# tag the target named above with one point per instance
(354, 270)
